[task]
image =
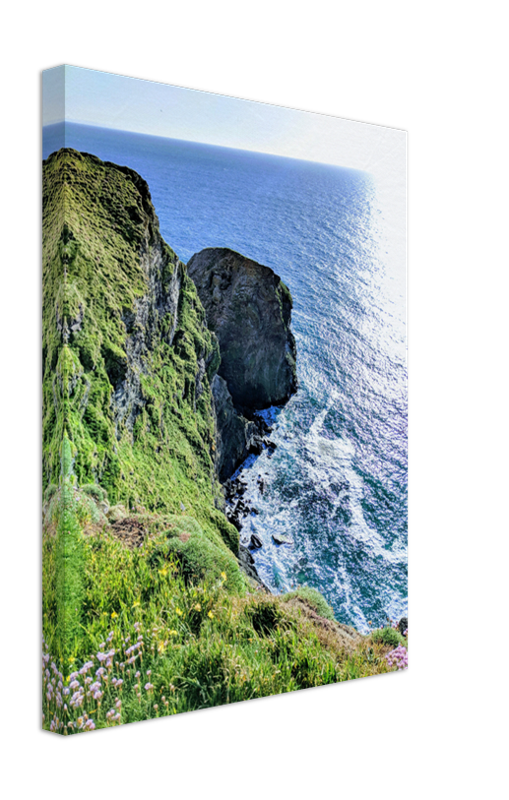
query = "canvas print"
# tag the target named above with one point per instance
(224, 458)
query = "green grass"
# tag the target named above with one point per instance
(312, 596)
(205, 642)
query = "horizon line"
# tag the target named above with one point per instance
(207, 144)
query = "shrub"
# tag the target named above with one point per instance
(388, 636)
(313, 597)
(199, 558)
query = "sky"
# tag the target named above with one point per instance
(106, 100)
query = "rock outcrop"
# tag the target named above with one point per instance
(248, 307)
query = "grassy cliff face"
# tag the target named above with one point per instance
(126, 350)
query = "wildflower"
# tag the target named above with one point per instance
(116, 718)
(178, 611)
(149, 673)
(136, 604)
(89, 725)
(114, 614)
(197, 607)
(211, 615)
(86, 667)
(173, 633)
(76, 700)
(148, 687)
(156, 707)
(118, 704)
(73, 684)
(101, 671)
(223, 575)
(137, 674)
(398, 658)
(119, 683)
(66, 690)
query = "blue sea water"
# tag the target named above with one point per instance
(337, 483)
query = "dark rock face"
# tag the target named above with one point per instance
(231, 430)
(249, 309)
(403, 625)
(247, 563)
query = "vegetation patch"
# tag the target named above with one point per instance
(313, 597)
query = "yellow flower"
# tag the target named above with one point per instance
(163, 572)
(197, 607)
(211, 615)
(178, 611)
(136, 604)
(173, 633)
(114, 614)
(223, 575)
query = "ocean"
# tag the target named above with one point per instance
(336, 484)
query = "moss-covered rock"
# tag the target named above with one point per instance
(127, 355)
(313, 597)
(199, 558)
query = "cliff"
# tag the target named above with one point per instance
(127, 355)
(127, 333)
